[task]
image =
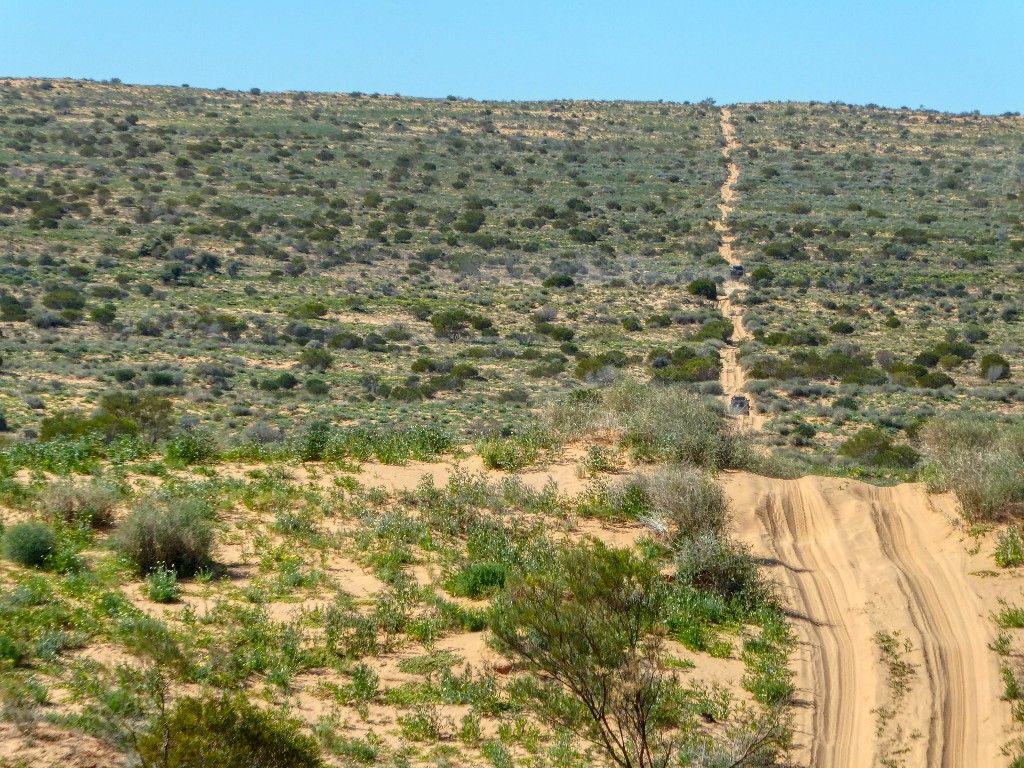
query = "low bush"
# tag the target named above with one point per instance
(684, 502)
(875, 448)
(712, 563)
(175, 534)
(29, 544)
(91, 502)
(513, 452)
(162, 585)
(704, 288)
(191, 446)
(1009, 548)
(654, 422)
(478, 580)
(228, 733)
(979, 460)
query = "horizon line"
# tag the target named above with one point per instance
(711, 101)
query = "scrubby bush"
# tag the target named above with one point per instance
(511, 453)
(559, 280)
(478, 580)
(586, 623)
(317, 358)
(191, 446)
(979, 460)
(169, 533)
(713, 563)
(1009, 551)
(684, 502)
(994, 367)
(29, 544)
(654, 422)
(703, 287)
(92, 501)
(226, 732)
(875, 448)
(162, 585)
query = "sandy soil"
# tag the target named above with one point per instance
(855, 560)
(733, 378)
(42, 745)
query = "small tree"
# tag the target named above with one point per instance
(317, 358)
(586, 624)
(994, 367)
(450, 324)
(103, 315)
(151, 412)
(703, 287)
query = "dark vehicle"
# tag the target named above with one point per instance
(736, 272)
(739, 405)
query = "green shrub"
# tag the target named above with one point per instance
(10, 652)
(559, 280)
(29, 544)
(317, 387)
(684, 502)
(994, 367)
(980, 460)
(585, 622)
(703, 287)
(69, 425)
(175, 534)
(512, 453)
(1009, 548)
(191, 446)
(317, 358)
(875, 448)
(228, 733)
(655, 422)
(710, 562)
(162, 585)
(478, 580)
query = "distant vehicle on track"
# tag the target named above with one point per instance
(739, 405)
(736, 273)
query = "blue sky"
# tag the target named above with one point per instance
(955, 56)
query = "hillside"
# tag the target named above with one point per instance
(406, 432)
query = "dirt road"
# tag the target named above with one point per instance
(733, 379)
(856, 561)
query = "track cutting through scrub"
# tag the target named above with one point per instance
(733, 379)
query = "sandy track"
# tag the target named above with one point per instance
(733, 379)
(855, 560)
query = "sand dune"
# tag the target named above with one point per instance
(855, 560)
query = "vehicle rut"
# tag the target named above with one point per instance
(856, 563)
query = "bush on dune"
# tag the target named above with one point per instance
(176, 534)
(654, 422)
(979, 460)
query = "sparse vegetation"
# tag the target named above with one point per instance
(234, 321)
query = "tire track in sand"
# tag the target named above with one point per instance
(823, 594)
(954, 639)
(854, 560)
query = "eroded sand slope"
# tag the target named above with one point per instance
(855, 560)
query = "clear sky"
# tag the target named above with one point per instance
(942, 54)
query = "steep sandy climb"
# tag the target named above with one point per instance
(733, 379)
(854, 561)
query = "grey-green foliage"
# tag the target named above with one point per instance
(684, 502)
(169, 533)
(979, 460)
(655, 422)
